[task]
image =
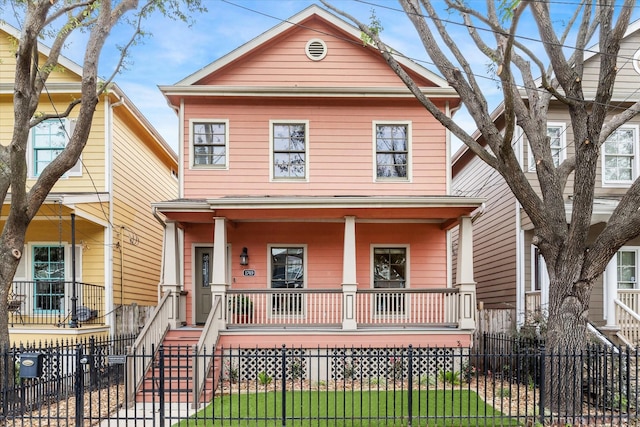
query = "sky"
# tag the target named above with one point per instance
(173, 49)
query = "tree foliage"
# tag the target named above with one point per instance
(55, 21)
(529, 83)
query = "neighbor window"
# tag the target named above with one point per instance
(557, 143)
(389, 272)
(287, 272)
(289, 150)
(392, 150)
(48, 139)
(627, 269)
(210, 143)
(620, 159)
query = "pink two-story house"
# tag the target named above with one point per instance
(314, 202)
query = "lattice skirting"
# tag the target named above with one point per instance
(247, 364)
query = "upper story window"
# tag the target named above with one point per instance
(620, 157)
(289, 145)
(48, 139)
(392, 142)
(556, 132)
(209, 143)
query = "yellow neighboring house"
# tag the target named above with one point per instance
(118, 241)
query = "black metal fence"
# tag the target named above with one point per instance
(498, 383)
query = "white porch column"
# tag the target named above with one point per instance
(219, 276)
(611, 292)
(349, 284)
(219, 252)
(171, 274)
(464, 276)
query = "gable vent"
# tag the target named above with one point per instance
(316, 49)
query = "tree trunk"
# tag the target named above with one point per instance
(565, 341)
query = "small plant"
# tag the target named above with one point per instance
(469, 372)
(424, 380)
(504, 392)
(396, 368)
(321, 384)
(296, 368)
(376, 381)
(264, 379)
(242, 305)
(232, 372)
(350, 368)
(449, 377)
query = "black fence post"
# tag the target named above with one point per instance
(410, 386)
(5, 387)
(161, 385)
(542, 395)
(79, 385)
(284, 385)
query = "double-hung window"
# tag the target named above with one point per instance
(48, 139)
(209, 143)
(620, 157)
(49, 278)
(389, 275)
(287, 272)
(289, 147)
(392, 142)
(627, 274)
(556, 132)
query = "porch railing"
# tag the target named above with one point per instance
(325, 307)
(48, 302)
(629, 323)
(284, 307)
(630, 298)
(407, 307)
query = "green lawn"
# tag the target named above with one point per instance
(347, 408)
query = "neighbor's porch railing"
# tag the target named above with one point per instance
(48, 302)
(325, 307)
(630, 298)
(628, 321)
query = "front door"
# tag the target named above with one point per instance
(203, 275)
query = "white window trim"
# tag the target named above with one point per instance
(27, 259)
(636, 161)
(76, 170)
(305, 257)
(544, 278)
(636, 250)
(307, 150)
(531, 163)
(192, 159)
(407, 123)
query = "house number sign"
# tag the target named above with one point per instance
(248, 272)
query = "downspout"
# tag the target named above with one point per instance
(109, 292)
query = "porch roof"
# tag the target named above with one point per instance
(439, 209)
